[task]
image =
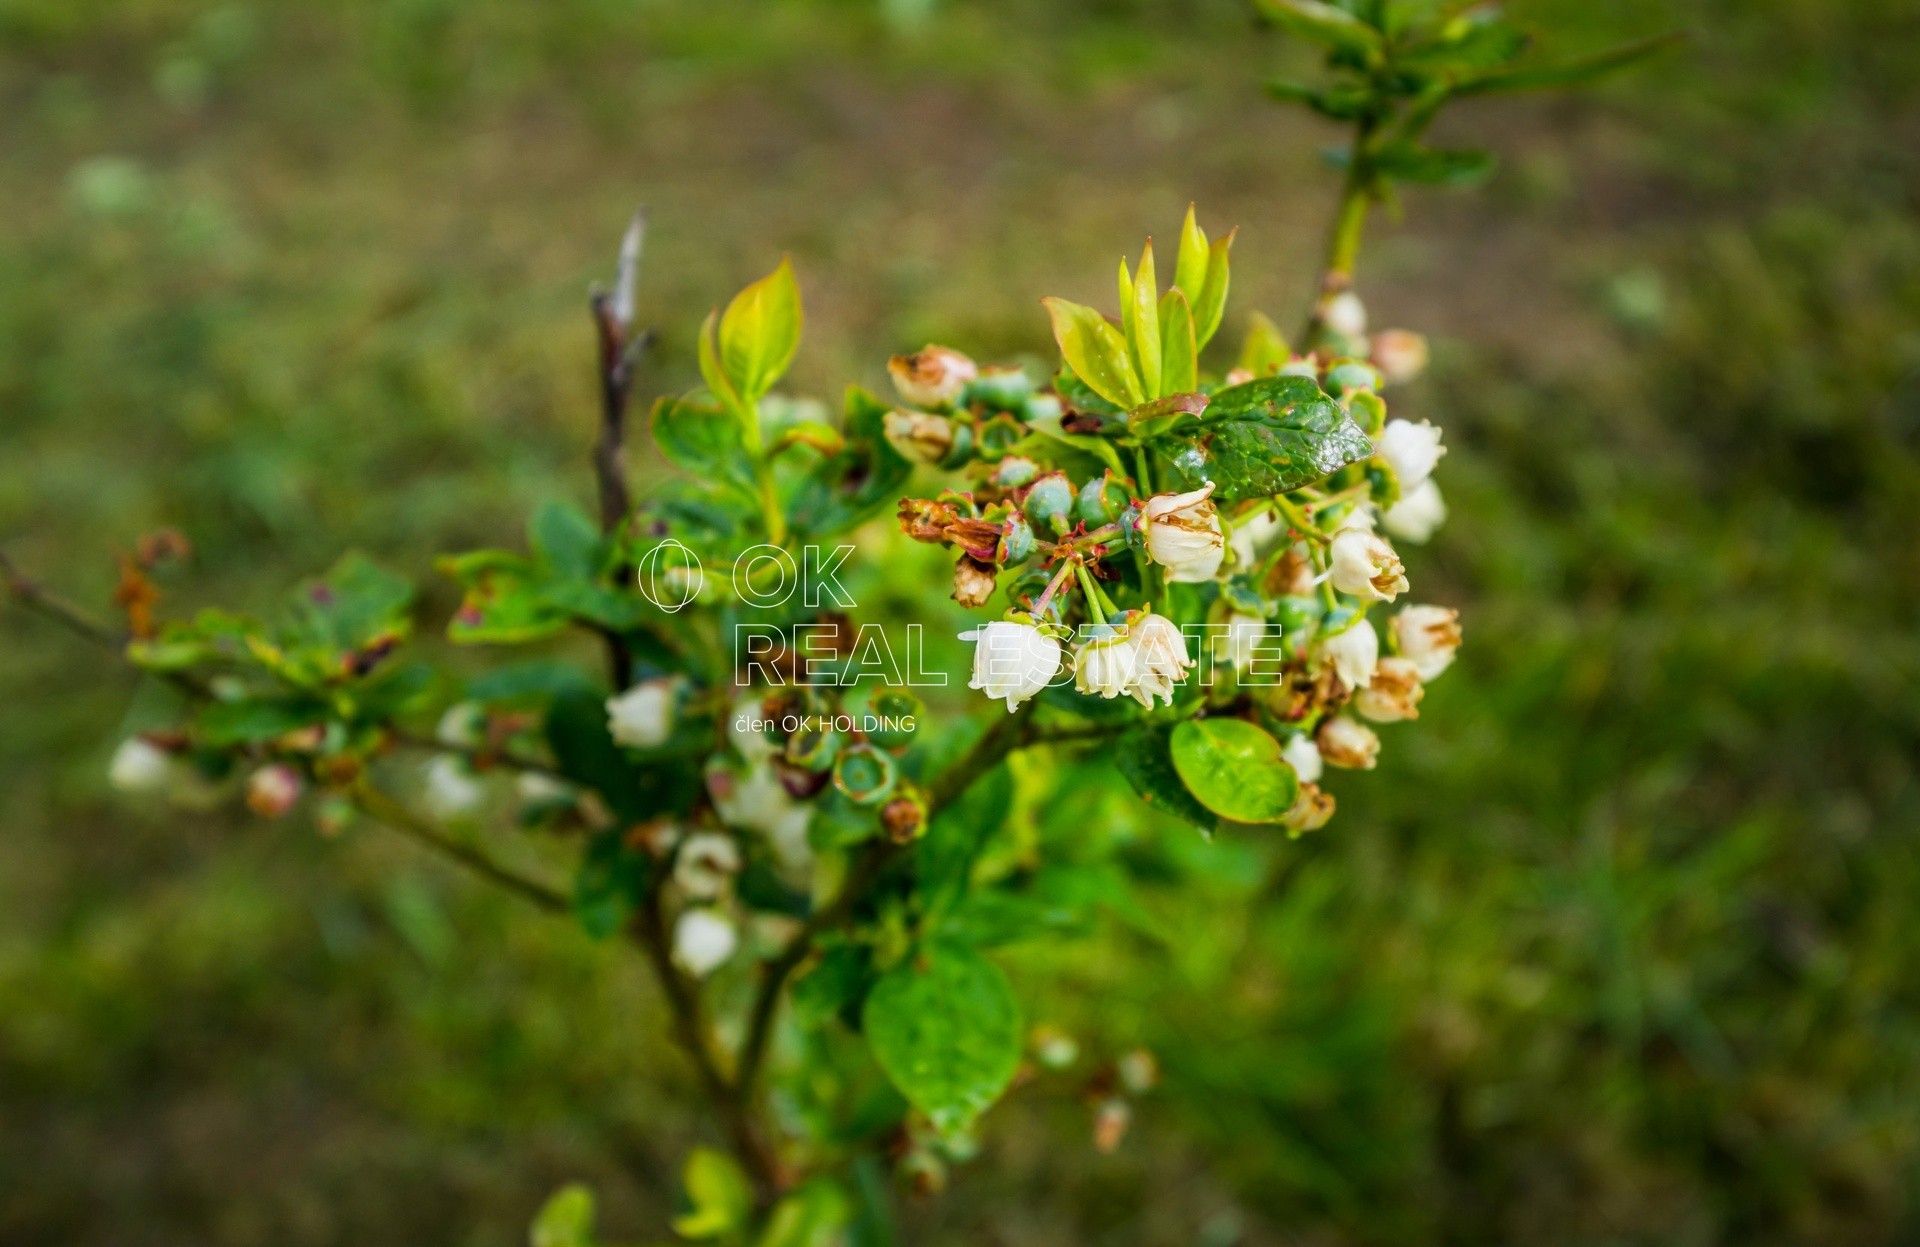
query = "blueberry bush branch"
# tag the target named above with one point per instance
(1180, 557)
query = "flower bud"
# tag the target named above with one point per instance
(452, 789)
(1344, 314)
(462, 725)
(1303, 756)
(1366, 567)
(1399, 354)
(1243, 636)
(141, 767)
(918, 436)
(1002, 389)
(1012, 661)
(932, 376)
(273, 790)
(1049, 503)
(1418, 514)
(1350, 375)
(706, 863)
(1053, 1048)
(1111, 1117)
(758, 801)
(539, 788)
(1137, 1071)
(643, 716)
(1101, 500)
(972, 581)
(1254, 537)
(1348, 743)
(1182, 534)
(1015, 471)
(702, 941)
(1411, 450)
(1353, 652)
(1427, 636)
(1394, 693)
(1310, 811)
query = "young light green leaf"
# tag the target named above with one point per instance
(1143, 759)
(565, 539)
(705, 442)
(816, 1215)
(1324, 24)
(1179, 345)
(1095, 351)
(945, 1028)
(1125, 285)
(1144, 323)
(1569, 73)
(1234, 768)
(1409, 162)
(711, 371)
(1210, 305)
(1190, 266)
(565, 1220)
(760, 332)
(721, 1199)
(1265, 350)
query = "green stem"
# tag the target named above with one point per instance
(771, 517)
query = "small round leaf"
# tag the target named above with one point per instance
(1234, 769)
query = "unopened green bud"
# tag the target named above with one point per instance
(1050, 502)
(1015, 471)
(1349, 376)
(1001, 389)
(1101, 500)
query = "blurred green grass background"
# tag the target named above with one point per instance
(1620, 944)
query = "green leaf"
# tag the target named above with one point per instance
(565, 1220)
(1190, 265)
(1269, 436)
(1265, 350)
(609, 885)
(1143, 323)
(576, 731)
(1323, 24)
(1179, 347)
(1143, 758)
(834, 982)
(720, 1198)
(223, 724)
(864, 478)
(355, 604)
(1569, 73)
(1431, 166)
(1211, 303)
(1095, 351)
(945, 1028)
(1234, 768)
(704, 441)
(812, 1216)
(944, 858)
(1163, 415)
(760, 331)
(565, 539)
(1341, 102)
(711, 370)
